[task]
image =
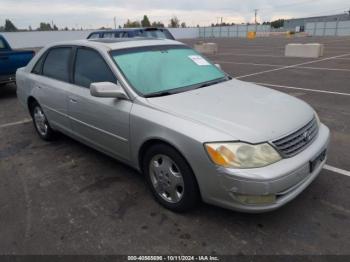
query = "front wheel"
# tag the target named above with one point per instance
(170, 178)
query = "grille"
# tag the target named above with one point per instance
(296, 142)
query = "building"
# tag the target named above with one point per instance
(294, 24)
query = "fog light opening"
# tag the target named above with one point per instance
(256, 199)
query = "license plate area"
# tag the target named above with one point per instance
(315, 162)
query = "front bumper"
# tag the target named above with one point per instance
(284, 180)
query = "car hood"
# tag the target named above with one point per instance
(246, 111)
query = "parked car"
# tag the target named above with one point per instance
(167, 111)
(161, 33)
(10, 60)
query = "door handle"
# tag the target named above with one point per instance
(73, 100)
(4, 57)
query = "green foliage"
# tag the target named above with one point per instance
(157, 24)
(132, 24)
(9, 26)
(145, 21)
(47, 27)
(277, 23)
(174, 22)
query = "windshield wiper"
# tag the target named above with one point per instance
(157, 94)
(210, 83)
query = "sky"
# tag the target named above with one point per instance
(97, 13)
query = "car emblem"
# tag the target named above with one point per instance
(306, 136)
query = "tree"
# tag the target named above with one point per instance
(277, 23)
(145, 21)
(132, 24)
(45, 27)
(157, 24)
(183, 25)
(9, 26)
(174, 22)
(55, 28)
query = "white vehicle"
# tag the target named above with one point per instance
(167, 111)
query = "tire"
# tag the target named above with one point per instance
(170, 178)
(41, 123)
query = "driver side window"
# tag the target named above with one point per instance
(90, 67)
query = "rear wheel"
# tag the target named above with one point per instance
(170, 178)
(40, 122)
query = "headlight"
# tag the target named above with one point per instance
(242, 155)
(317, 119)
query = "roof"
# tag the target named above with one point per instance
(128, 29)
(115, 44)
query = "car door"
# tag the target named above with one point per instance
(101, 122)
(50, 79)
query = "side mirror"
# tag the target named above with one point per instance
(218, 66)
(107, 89)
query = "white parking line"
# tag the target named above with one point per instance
(342, 58)
(324, 68)
(24, 121)
(291, 66)
(304, 89)
(230, 54)
(244, 63)
(337, 170)
(272, 65)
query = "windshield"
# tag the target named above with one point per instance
(165, 69)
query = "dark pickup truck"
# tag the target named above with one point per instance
(11, 60)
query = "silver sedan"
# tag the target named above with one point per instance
(164, 109)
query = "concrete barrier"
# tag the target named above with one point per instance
(313, 50)
(206, 48)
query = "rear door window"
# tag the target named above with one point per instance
(94, 36)
(57, 62)
(108, 35)
(90, 67)
(38, 66)
(2, 44)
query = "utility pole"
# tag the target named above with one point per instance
(256, 22)
(115, 22)
(255, 14)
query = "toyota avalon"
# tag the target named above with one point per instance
(192, 130)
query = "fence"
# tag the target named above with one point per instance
(232, 31)
(42, 38)
(334, 28)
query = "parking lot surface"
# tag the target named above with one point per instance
(65, 198)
